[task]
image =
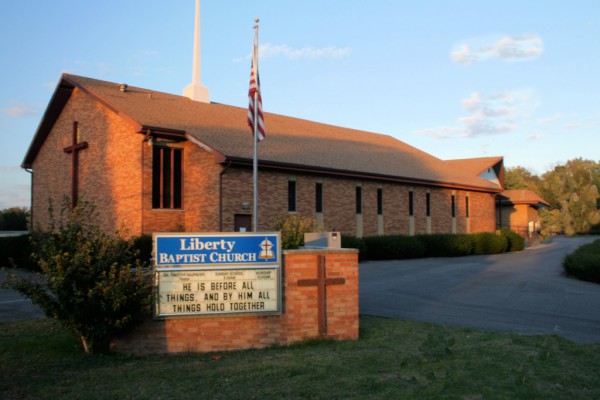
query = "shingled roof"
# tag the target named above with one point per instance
(522, 196)
(291, 143)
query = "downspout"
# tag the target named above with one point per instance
(147, 138)
(221, 194)
(31, 199)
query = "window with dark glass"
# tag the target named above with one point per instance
(467, 206)
(379, 201)
(319, 197)
(411, 207)
(359, 200)
(428, 204)
(292, 196)
(167, 182)
(453, 206)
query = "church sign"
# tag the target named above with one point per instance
(217, 273)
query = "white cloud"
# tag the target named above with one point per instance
(551, 119)
(269, 50)
(19, 109)
(534, 136)
(507, 48)
(488, 115)
(442, 132)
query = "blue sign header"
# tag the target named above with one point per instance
(198, 249)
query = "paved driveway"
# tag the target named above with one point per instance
(523, 292)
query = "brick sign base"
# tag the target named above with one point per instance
(320, 299)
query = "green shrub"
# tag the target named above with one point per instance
(352, 242)
(89, 283)
(447, 245)
(15, 252)
(293, 228)
(489, 243)
(515, 242)
(394, 247)
(143, 246)
(584, 263)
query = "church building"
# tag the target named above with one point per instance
(157, 162)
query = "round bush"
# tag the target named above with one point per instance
(515, 241)
(489, 243)
(584, 263)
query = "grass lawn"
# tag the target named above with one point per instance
(392, 360)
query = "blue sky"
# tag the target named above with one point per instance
(456, 79)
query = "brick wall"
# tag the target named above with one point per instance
(339, 207)
(109, 169)
(299, 320)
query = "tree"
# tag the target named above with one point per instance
(14, 219)
(92, 282)
(572, 192)
(521, 178)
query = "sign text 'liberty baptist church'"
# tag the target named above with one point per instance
(203, 274)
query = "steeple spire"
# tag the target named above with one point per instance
(196, 90)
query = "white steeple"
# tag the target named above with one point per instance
(196, 90)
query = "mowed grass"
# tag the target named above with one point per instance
(392, 360)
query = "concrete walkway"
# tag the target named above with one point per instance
(523, 292)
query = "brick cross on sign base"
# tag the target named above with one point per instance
(321, 283)
(74, 149)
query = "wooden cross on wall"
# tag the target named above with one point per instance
(321, 283)
(74, 150)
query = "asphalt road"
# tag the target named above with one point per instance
(523, 292)
(14, 306)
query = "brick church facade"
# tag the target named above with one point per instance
(156, 162)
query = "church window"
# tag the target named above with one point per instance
(379, 201)
(428, 204)
(453, 206)
(167, 182)
(359, 200)
(291, 196)
(411, 206)
(467, 206)
(319, 197)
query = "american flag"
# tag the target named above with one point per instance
(252, 107)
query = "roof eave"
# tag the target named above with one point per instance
(273, 165)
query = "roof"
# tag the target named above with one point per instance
(291, 143)
(522, 196)
(475, 166)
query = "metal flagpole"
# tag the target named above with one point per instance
(255, 128)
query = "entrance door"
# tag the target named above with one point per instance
(242, 222)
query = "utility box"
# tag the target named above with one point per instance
(332, 240)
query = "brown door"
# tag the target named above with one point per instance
(242, 222)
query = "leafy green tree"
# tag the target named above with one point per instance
(572, 191)
(92, 282)
(521, 178)
(14, 219)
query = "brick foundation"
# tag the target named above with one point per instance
(299, 320)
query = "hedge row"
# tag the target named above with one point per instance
(397, 247)
(15, 251)
(584, 263)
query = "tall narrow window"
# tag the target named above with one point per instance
(319, 197)
(292, 196)
(467, 206)
(379, 201)
(359, 200)
(411, 207)
(453, 206)
(167, 182)
(428, 204)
